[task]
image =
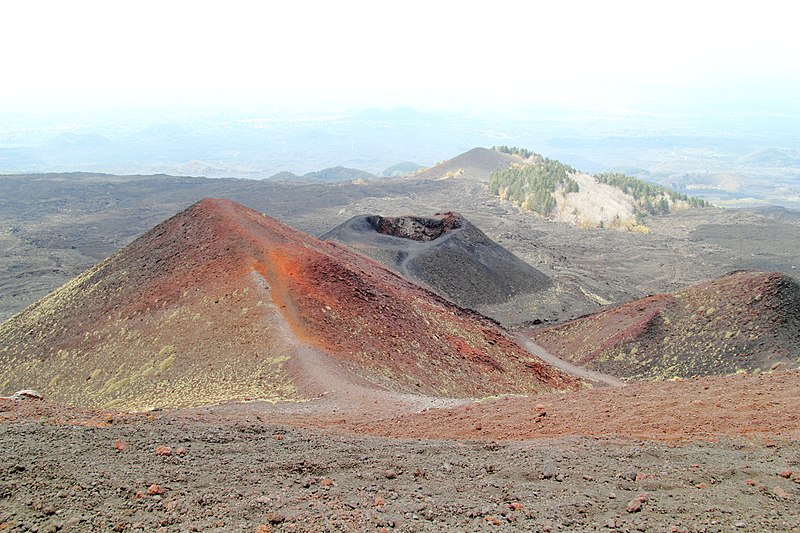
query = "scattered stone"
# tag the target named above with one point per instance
(612, 496)
(379, 502)
(786, 474)
(493, 520)
(71, 522)
(120, 445)
(326, 482)
(515, 506)
(278, 437)
(307, 482)
(740, 525)
(701, 486)
(635, 505)
(780, 493)
(180, 451)
(611, 523)
(549, 470)
(262, 528)
(274, 517)
(154, 489)
(164, 451)
(171, 505)
(751, 483)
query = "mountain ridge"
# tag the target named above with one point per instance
(744, 321)
(209, 306)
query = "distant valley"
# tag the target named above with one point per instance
(56, 225)
(731, 158)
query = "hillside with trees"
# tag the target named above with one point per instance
(558, 191)
(534, 185)
(650, 199)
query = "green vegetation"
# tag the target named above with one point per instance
(533, 186)
(513, 150)
(650, 199)
(402, 169)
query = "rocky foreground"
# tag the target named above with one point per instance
(233, 468)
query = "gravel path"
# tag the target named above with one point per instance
(569, 368)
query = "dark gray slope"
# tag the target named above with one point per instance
(445, 252)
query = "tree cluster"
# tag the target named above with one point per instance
(513, 150)
(533, 186)
(650, 199)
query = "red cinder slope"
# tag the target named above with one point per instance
(744, 321)
(220, 302)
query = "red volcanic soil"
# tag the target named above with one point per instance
(598, 460)
(223, 303)
(740, 322)
(762, 407)
(355, 309)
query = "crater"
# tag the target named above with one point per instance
(421, 229)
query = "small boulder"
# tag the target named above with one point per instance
(164, 451)
(26, 394)
(780, 493)
(635, 505)
(154, 489)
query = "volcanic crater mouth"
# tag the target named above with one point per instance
(421, 229)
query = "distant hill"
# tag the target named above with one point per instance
(327, 174)
(445, 252)
(475, 164)
(744, 321)
(771, 157)
(559, 192)
(777, 213)
(221, 303)
(401, 169)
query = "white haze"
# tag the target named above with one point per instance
(320, 55)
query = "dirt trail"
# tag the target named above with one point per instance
(567, 367)
(334, 389)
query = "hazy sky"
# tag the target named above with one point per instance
(418, 53)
